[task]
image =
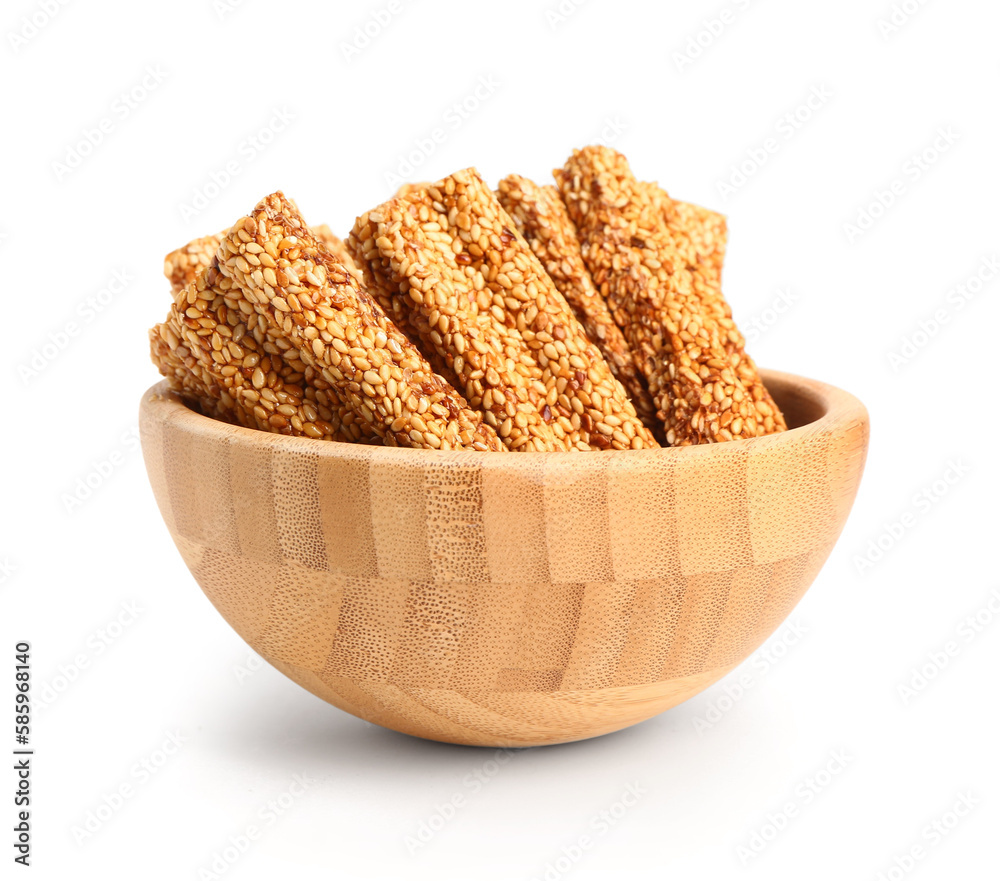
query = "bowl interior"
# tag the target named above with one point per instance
(800, 404)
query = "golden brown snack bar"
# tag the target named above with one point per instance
(708, 233)
(651, 292)
(178, 365)
(398, 309)
(306, 294)
(452, 252)
(216, 350)
(335, 245)
(175, 351)
(699, 235)
(181, 267)
(541, 218)
(699, 232)
(617, 349)
(410, 263)
(410, 188)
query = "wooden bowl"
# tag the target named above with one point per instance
(506, 600)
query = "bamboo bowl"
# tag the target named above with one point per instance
(506, 600)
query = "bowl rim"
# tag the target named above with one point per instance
(840, 410)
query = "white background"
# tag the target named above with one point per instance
(710, 771)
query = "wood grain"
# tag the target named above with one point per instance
(515, 600)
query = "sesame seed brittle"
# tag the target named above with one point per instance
(700, 236)
(415, 273)
(338, 248)
(541, 218)
(585, 316)
(183, 265)
(293, 281)
(448, 257)
(708, 233)
(218, 351)
(646, 276)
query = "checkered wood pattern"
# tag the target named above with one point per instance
(506, 600)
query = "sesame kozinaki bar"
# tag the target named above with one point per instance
(336, 247)
(216, 350)
(451, 249)
(178, 365)
(541, 218)
(702, 231)
(708, 233)
(410, 264)
(651, 293)
(182, 266)
(700, 234)
(292, 280)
